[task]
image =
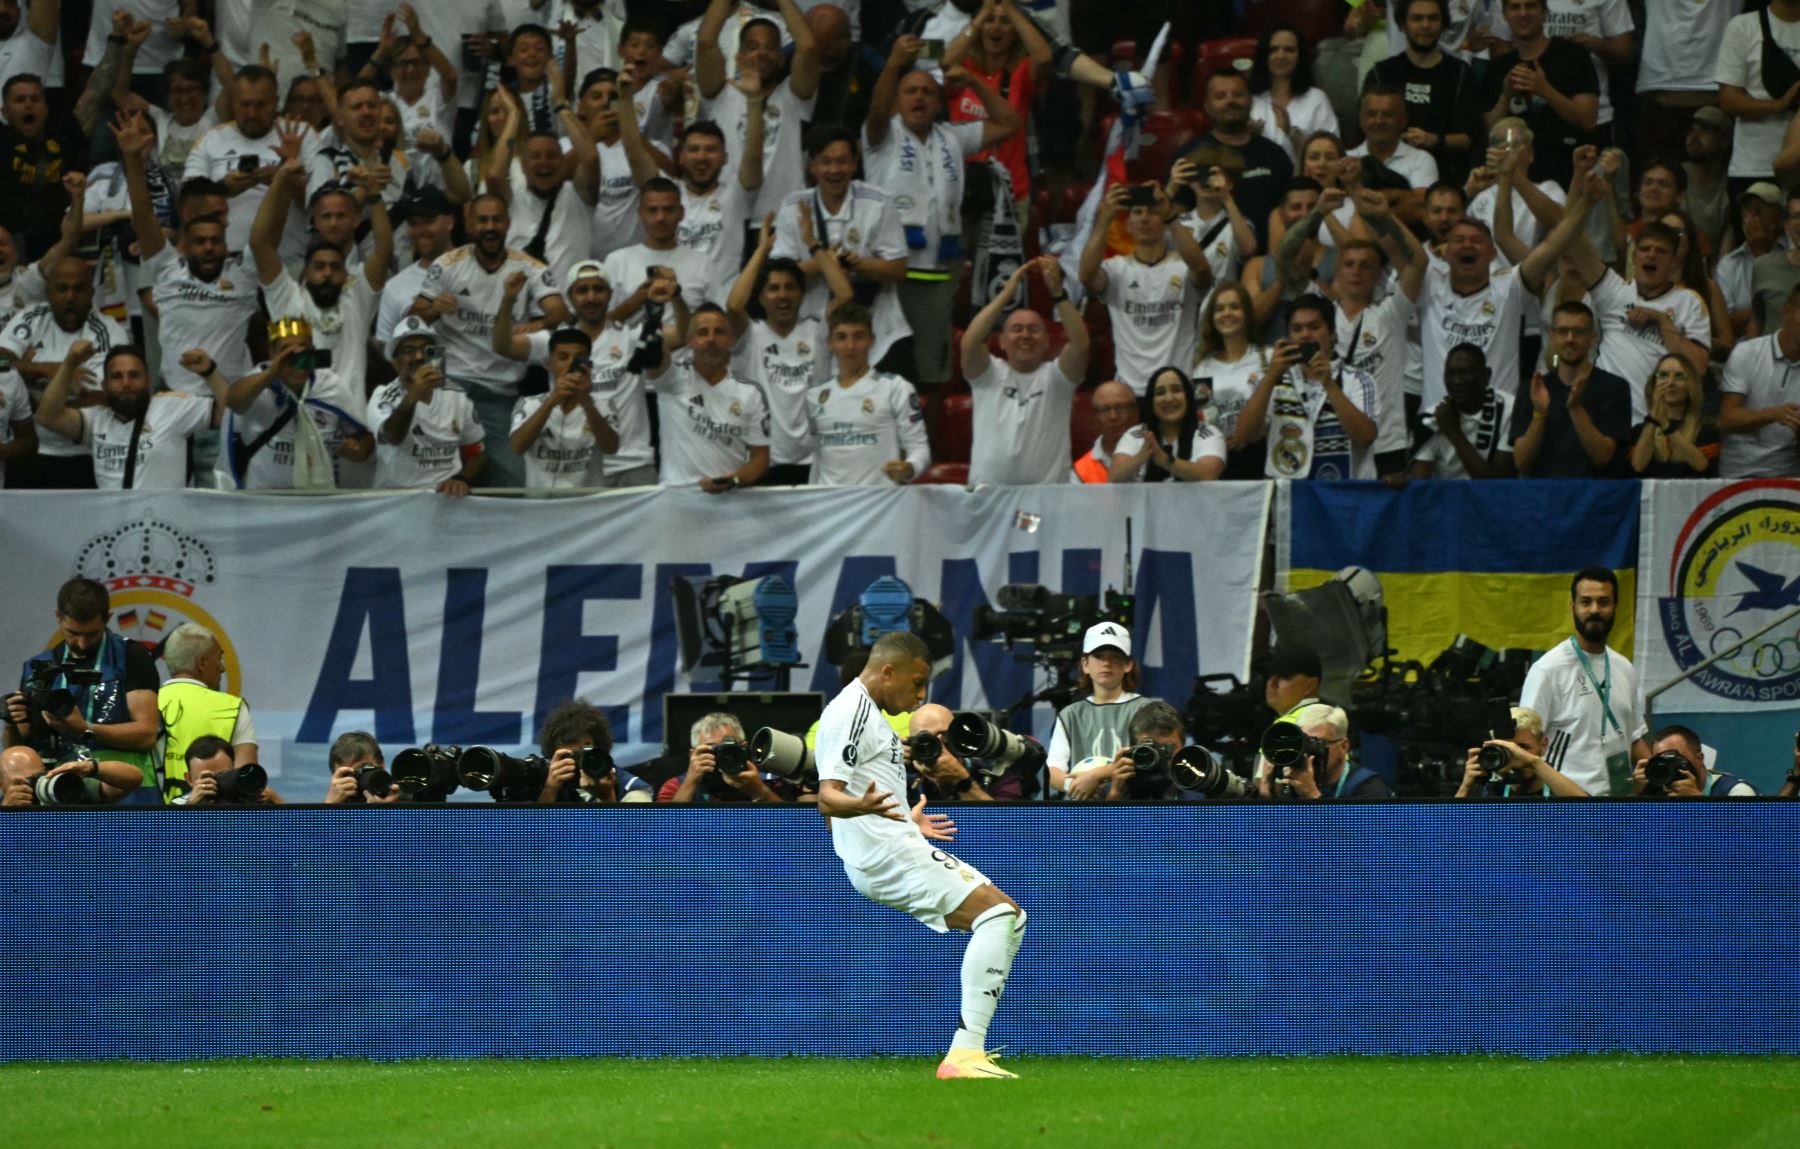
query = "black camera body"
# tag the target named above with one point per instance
(730, 758)
(593, 762)
(925, 747)
(241, 784)
(372, 780)
(1494, 759)
(1151, 760)
(428, 773)
(1290, 749)
(1662, 770)
(43, 696)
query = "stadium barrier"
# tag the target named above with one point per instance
(1424, 928)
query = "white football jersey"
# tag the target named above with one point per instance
(785, 367)
(856, 746)
(708, 429)
(172, 420)
(859, 429)
(434, 444)
(468, 332)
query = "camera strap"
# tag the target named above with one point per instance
(535, 249)
(131, 454)
(1602, 687)
(282, 420)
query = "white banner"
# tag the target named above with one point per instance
(1719, 561)
(464, 621)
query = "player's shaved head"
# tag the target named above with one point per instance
(899, 670)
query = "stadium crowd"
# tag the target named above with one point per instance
(573, 244)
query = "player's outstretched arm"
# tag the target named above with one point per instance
(836, 801)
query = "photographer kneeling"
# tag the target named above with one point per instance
(83, 782)
(578, 741)
(719, 768)
(359, 772)
(943, 777)
(1676, 768)
(214, 778)
(1516, 769)
(1309, 759)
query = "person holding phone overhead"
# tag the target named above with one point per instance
(1317, 413)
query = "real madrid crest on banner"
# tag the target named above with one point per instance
(157, 577)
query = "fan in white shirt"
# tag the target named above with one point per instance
(1153, 294)
(29, 51)
(1471, 438)
(1174, 444)
(1318, 415)
(287, 425)
(616, 357)
(785, 352)
(631, 269)
(1022, 402)
(37, 338)
(1382, 115)
(860, 224)
(430, 232)
(242, 154)
(18, 432)
(715, 427)
(139, 441)
(339, 308)
(1370, 335)
(426, 435)
(615, 223)
(761, 107)
(424, 80)
(551, 195)
(867, 427)
(562, 435)
(204, 298)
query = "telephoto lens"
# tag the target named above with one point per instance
(428, 773)
(779, 752)
(1197, 770)
(925, 747)
(67, 789)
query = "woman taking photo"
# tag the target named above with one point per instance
(1673, 442)
(1172, 443)
(1227, 364)
(1096, 726)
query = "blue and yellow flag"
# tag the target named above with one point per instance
(1491, 560)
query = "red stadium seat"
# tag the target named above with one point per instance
(949, 474)
(955, 430)
(1216, 54)
(1084, 425)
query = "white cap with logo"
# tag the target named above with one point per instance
(1107, 634)
(410, 327)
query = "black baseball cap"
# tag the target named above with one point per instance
(1287, 661)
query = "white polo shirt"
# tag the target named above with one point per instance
(858, 430)
(172, 420)
(786, 367)
(222, 150)
(341, 329)
(615, 223)
(434, 443)
(35, 330)
(1415, 165)
(1757, 371)
(1207, 443)
(1020, 424)
(570, 238)
(708, 429)
(1486, 430)
(712, 226)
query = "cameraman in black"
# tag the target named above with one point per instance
(1676, 768)
(570, 729)
(21, 767)
(744, 784)
(359, 772)
(215, 779)
(946, 778)
(1525, 774)
(1156, 732)
(104, 684)
(1325, 769)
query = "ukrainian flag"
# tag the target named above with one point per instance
(1491, 560)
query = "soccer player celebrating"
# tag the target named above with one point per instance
(891, 859)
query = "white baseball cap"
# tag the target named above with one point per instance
(410, 327)
(1107, 634)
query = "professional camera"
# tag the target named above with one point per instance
(1151, 760)
(429, 773)
(43, 696)
(65, 789)
(373, 780)
(1198, 770)
(1289, 748)
(992, 750)
(244, 783)
(1662, 769)
(501, 776)
(1054, 623)
(593, 762)
(1437, 711)
(925, 747)
(730, 758)
(1228, 715)
(785, 754)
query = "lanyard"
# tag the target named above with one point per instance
(1603, 689)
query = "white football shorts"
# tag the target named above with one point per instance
(919, 878)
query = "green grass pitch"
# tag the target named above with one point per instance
(1585, 1102)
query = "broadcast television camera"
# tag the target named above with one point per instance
(43, 696)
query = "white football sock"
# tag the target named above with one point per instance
(994, 939)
